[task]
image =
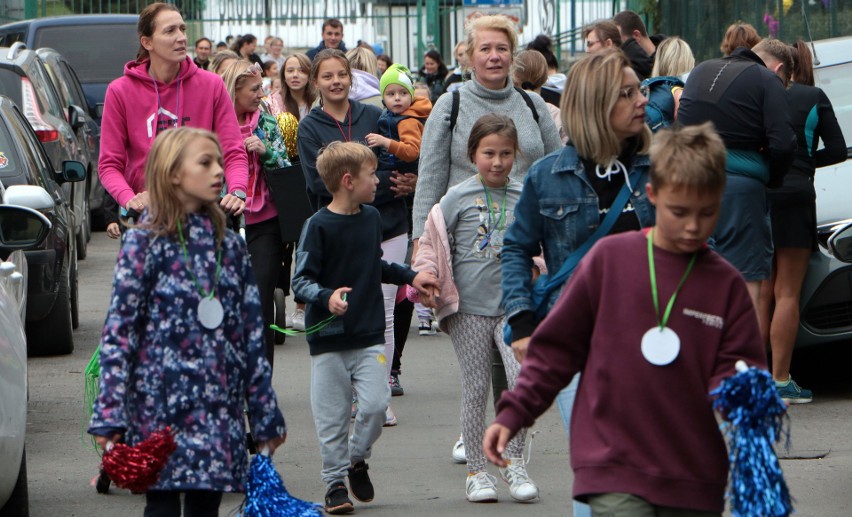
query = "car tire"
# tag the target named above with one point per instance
(280, 315)
(54, 335)
(73, 285)
(18, 504)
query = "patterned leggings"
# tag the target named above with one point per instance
(472, 338)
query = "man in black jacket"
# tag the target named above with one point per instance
(636, 44)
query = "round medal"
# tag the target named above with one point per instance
(210, 312)
(660, 346)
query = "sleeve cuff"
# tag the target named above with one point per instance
(523, 325)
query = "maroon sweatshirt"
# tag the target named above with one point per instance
(639, 428)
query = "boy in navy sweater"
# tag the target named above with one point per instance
(654, 321)
(339, 272)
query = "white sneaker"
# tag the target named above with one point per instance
(480, 488)
(298, 319)
(390, 418)
(521, 487)
(458, 452)
(288, 320)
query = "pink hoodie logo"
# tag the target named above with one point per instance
(164, 124)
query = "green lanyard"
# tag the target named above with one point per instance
(310, 330)
(654, 293)
(501, 221)
(188, 268)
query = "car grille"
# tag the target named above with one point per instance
(829, 311)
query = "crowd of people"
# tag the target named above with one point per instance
(517, 208)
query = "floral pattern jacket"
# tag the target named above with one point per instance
(160, 367)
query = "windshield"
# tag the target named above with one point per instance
(836, 82)
(97, 52)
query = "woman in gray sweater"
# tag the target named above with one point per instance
(444, 161)
(491, 43)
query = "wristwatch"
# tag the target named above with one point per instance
(239, 194)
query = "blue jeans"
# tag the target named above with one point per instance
(565, 402)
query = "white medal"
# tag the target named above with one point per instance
(210, 312)
(660, 346)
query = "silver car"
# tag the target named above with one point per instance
(826, 303)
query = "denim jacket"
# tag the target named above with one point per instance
(557, 212)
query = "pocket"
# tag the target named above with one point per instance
(559, 218)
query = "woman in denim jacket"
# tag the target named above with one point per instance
(567, 193)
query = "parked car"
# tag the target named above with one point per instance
(110, 41)
(20, 228)
(24, 79)
(826, 303)
(30, 180)
(87, 129)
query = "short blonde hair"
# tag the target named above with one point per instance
(591, 92)
(530, 72)
(491, 22)
(165, 161)
(691, 157)
(674, 58)
(339, 158)
(361, 58)
(781, 52)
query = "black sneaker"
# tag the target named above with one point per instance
(359, 482)
(395, 386)
(337, 500)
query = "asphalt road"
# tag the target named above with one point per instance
(411, 466)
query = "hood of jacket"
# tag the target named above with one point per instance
(170, 100)
(364, 85)
(421, 107)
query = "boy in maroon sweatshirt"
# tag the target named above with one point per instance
(654, 320)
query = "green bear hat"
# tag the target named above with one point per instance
(397, 74)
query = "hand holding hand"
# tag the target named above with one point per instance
(427, 283)
(336, 304)
(519, 348)
(403, 183)
(138, 202)
(494, 443)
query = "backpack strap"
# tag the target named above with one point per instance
(529, 102)
(454, 110)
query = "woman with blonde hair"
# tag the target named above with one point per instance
(531, 73)
(567, 194)
(673, 62)
(220, 61)
(365, 84)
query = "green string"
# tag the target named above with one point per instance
(192, 273)
(665, 318)
(310, 330)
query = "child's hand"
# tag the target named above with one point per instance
(427, 283)
(377, 140)
(103, 441)
(336, 304)
(113, 231)
(494, 443)
(519, 348)
(272, 444)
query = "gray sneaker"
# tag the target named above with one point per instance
(792, 393)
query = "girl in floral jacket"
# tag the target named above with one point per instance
(182, 344)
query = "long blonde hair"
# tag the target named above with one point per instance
(165, 160)
(236, 74)
(674, 57)
(591, 92)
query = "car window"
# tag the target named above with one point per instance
(74, 88)
(9, 159)
(39, 162)
(7, 38)
(58, 80)
(10, 85)
(44, 90)
(99, 57)
(836, 82)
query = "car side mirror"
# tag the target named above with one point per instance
(840, 244)
(76, 117)
(30, 196)
(21, 228)
(72, 171)
(99, 110)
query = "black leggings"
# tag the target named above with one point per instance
(402, 312)
(267, 253)
(196, 503)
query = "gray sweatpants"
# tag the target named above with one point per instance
(333, 377)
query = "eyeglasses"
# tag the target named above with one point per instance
(633, 92)
(253, 70)
(590, 43)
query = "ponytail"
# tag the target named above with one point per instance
(803, 63)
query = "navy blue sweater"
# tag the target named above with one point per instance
(319, 129)
(345, 251)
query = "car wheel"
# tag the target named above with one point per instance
(75, 293)
(54, 334)
(280, 315)
(18, 504)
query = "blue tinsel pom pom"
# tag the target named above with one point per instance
(267, 497)
(755, 419)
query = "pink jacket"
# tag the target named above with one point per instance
(259, 204)
(134, 105)
(435, 255)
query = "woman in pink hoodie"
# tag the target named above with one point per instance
(160, 90)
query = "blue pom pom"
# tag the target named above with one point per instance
(755, 419)
(267, 497)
